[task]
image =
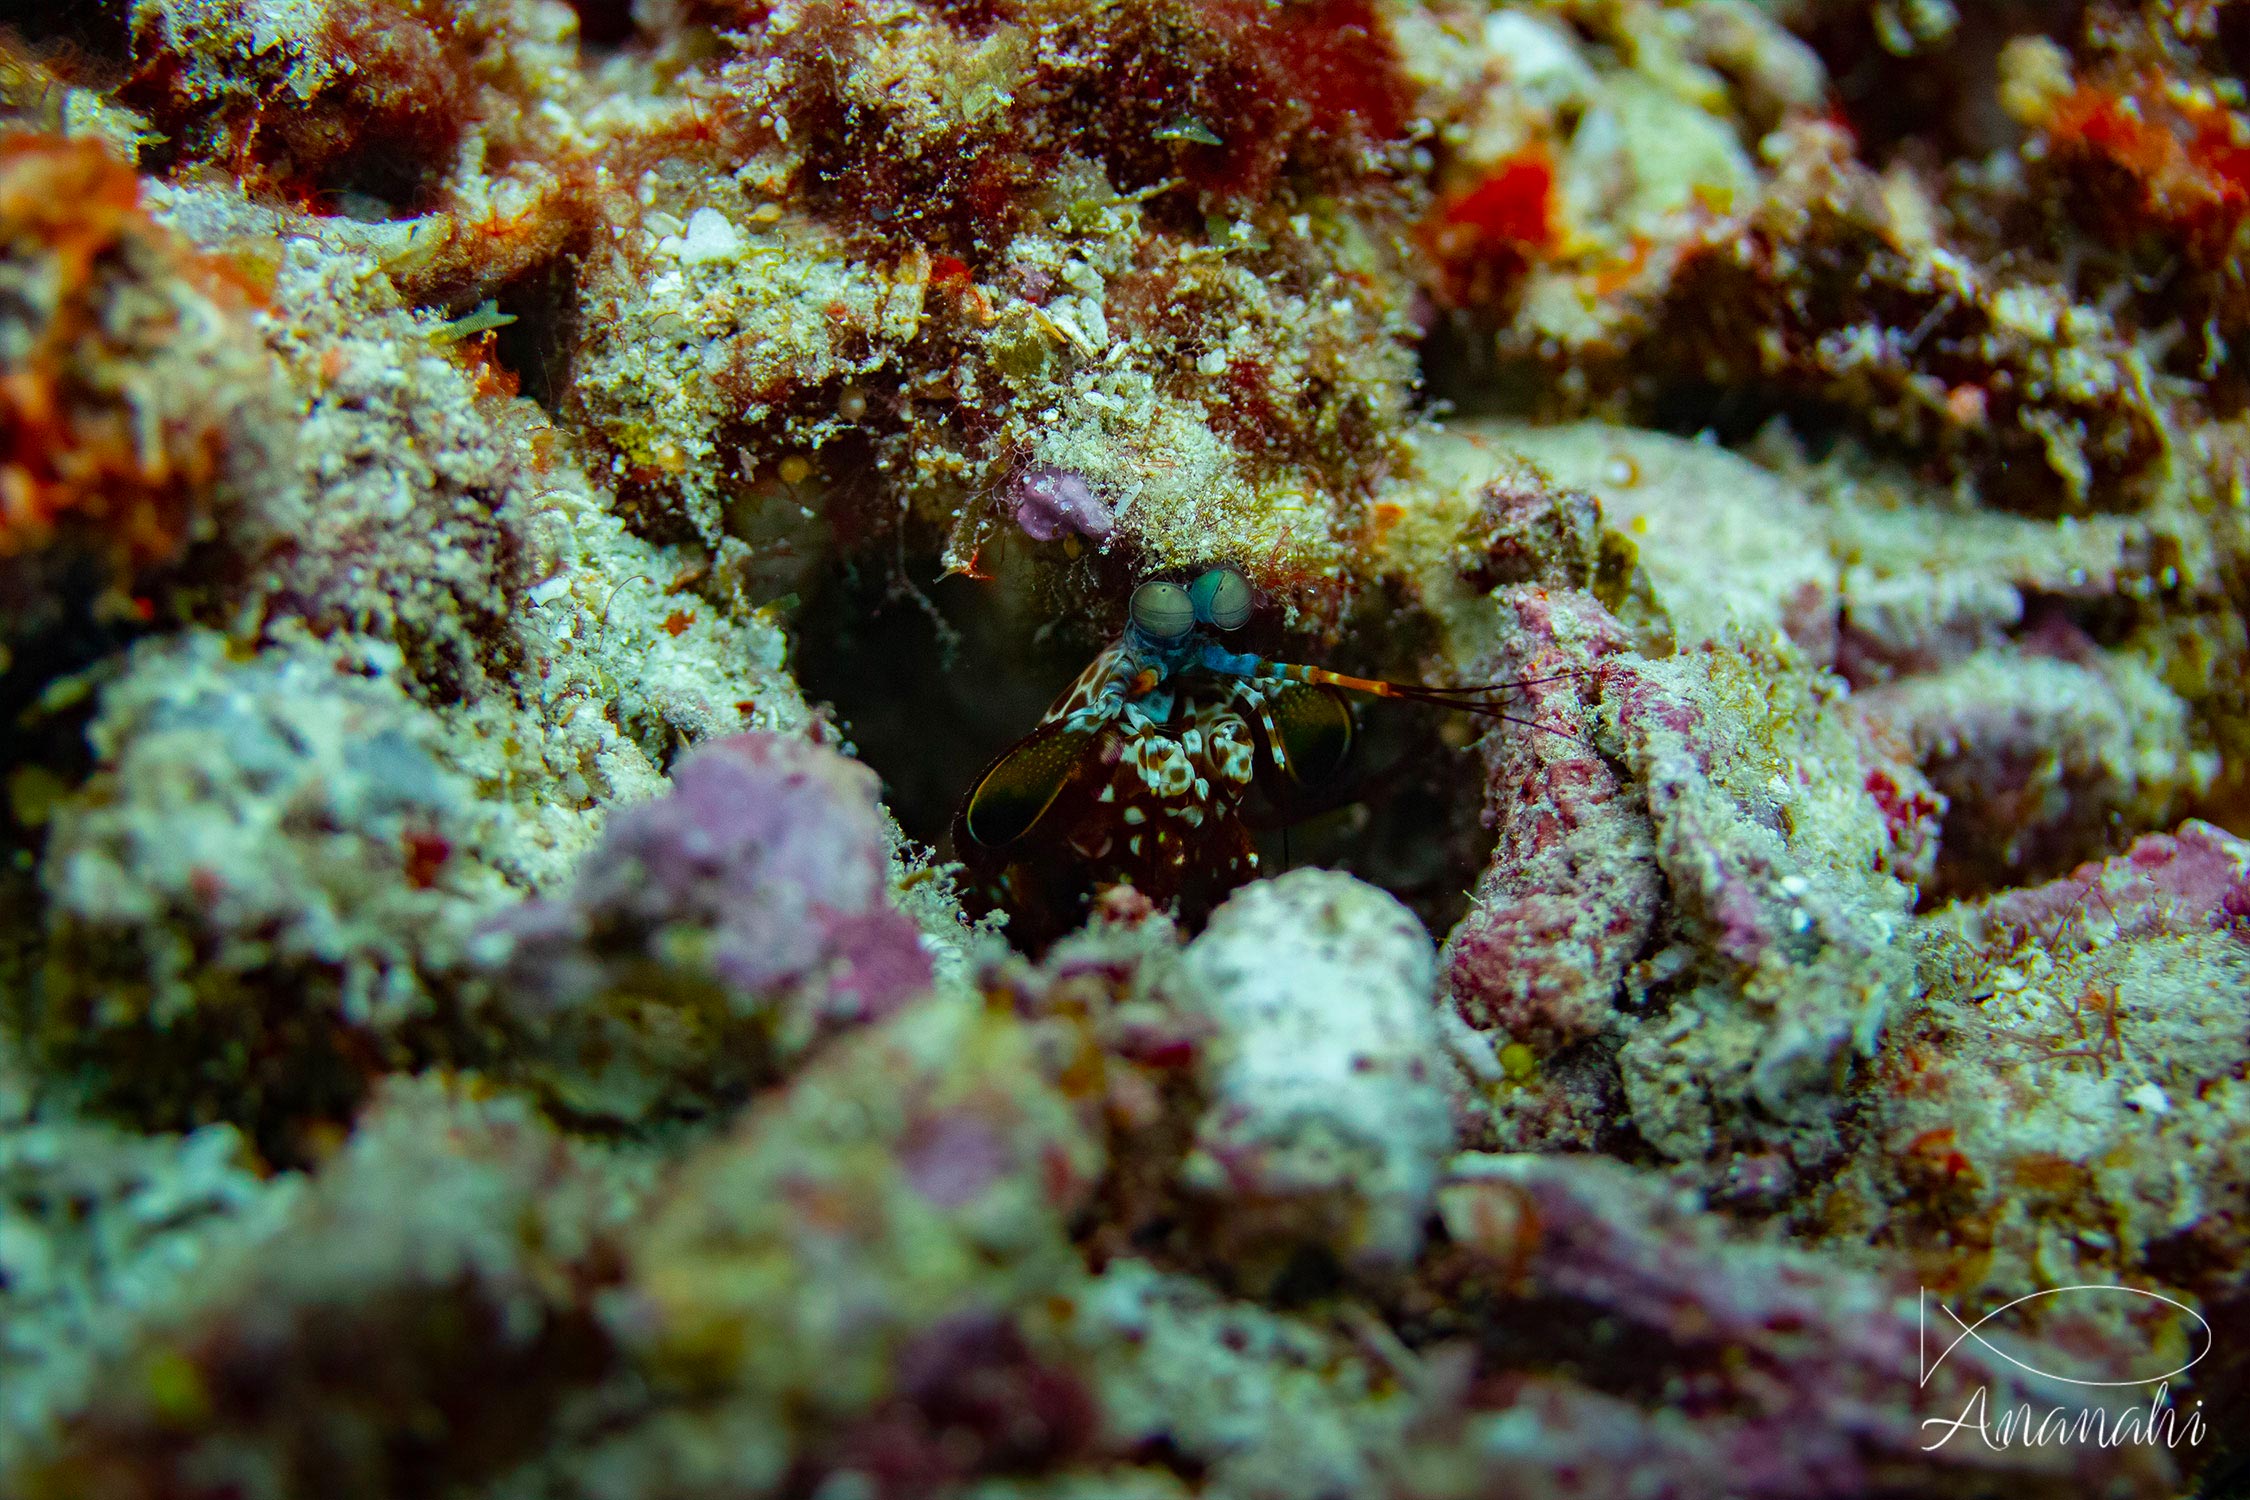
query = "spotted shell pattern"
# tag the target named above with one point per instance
(1158, 754)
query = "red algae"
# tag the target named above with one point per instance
(1315, 80)
(2190, 164)
(72, 206)
(384, 122)
(1485, 235)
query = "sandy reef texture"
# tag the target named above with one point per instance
(520, 520)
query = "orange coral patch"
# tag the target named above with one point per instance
(1514, 206)
(80, 444)
(490, 377)
(1485, 235)
(2191, 161)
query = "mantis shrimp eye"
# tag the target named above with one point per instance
(1163, 610)
(1221, 598)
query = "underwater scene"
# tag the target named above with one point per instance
(1124, 749)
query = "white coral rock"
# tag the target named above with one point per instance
(1328, 1114)
(709, 240)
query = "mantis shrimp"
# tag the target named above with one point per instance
(1139, 772)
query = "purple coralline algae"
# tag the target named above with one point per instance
(1727, 1366)
(1048, 502)
(1573, 879)
(921, 1352)
(747, 906)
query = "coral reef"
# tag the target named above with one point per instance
(2078, 1039)
(252, 901)
(1783, 1360)
(1709, 882)
(1714, 532)
(462, 1239)
(148, 1213)
(719, 931)
(1186, 290)
(931, 1171)
(127, 357)
(1326, 1113)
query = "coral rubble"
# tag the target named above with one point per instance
(519, 521)
(721, 930)
(126, 357)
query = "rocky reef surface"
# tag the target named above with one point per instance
(521, 521)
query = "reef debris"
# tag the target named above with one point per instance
(712, 937)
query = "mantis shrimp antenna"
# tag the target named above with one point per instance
(1473, 699)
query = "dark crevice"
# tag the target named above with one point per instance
(1998, 835)
(83, 41)
(2072, 628)
(53, 621)
(1945, 93)
(1463, 376)
(927, 710)
(1736, 413)
(930, 705)
(604, 24)
(2234, 47)
(540, 345)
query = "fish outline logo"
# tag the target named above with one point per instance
(1929, 1367)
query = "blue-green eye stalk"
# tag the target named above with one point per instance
(1222, 599)
(1163, 610)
